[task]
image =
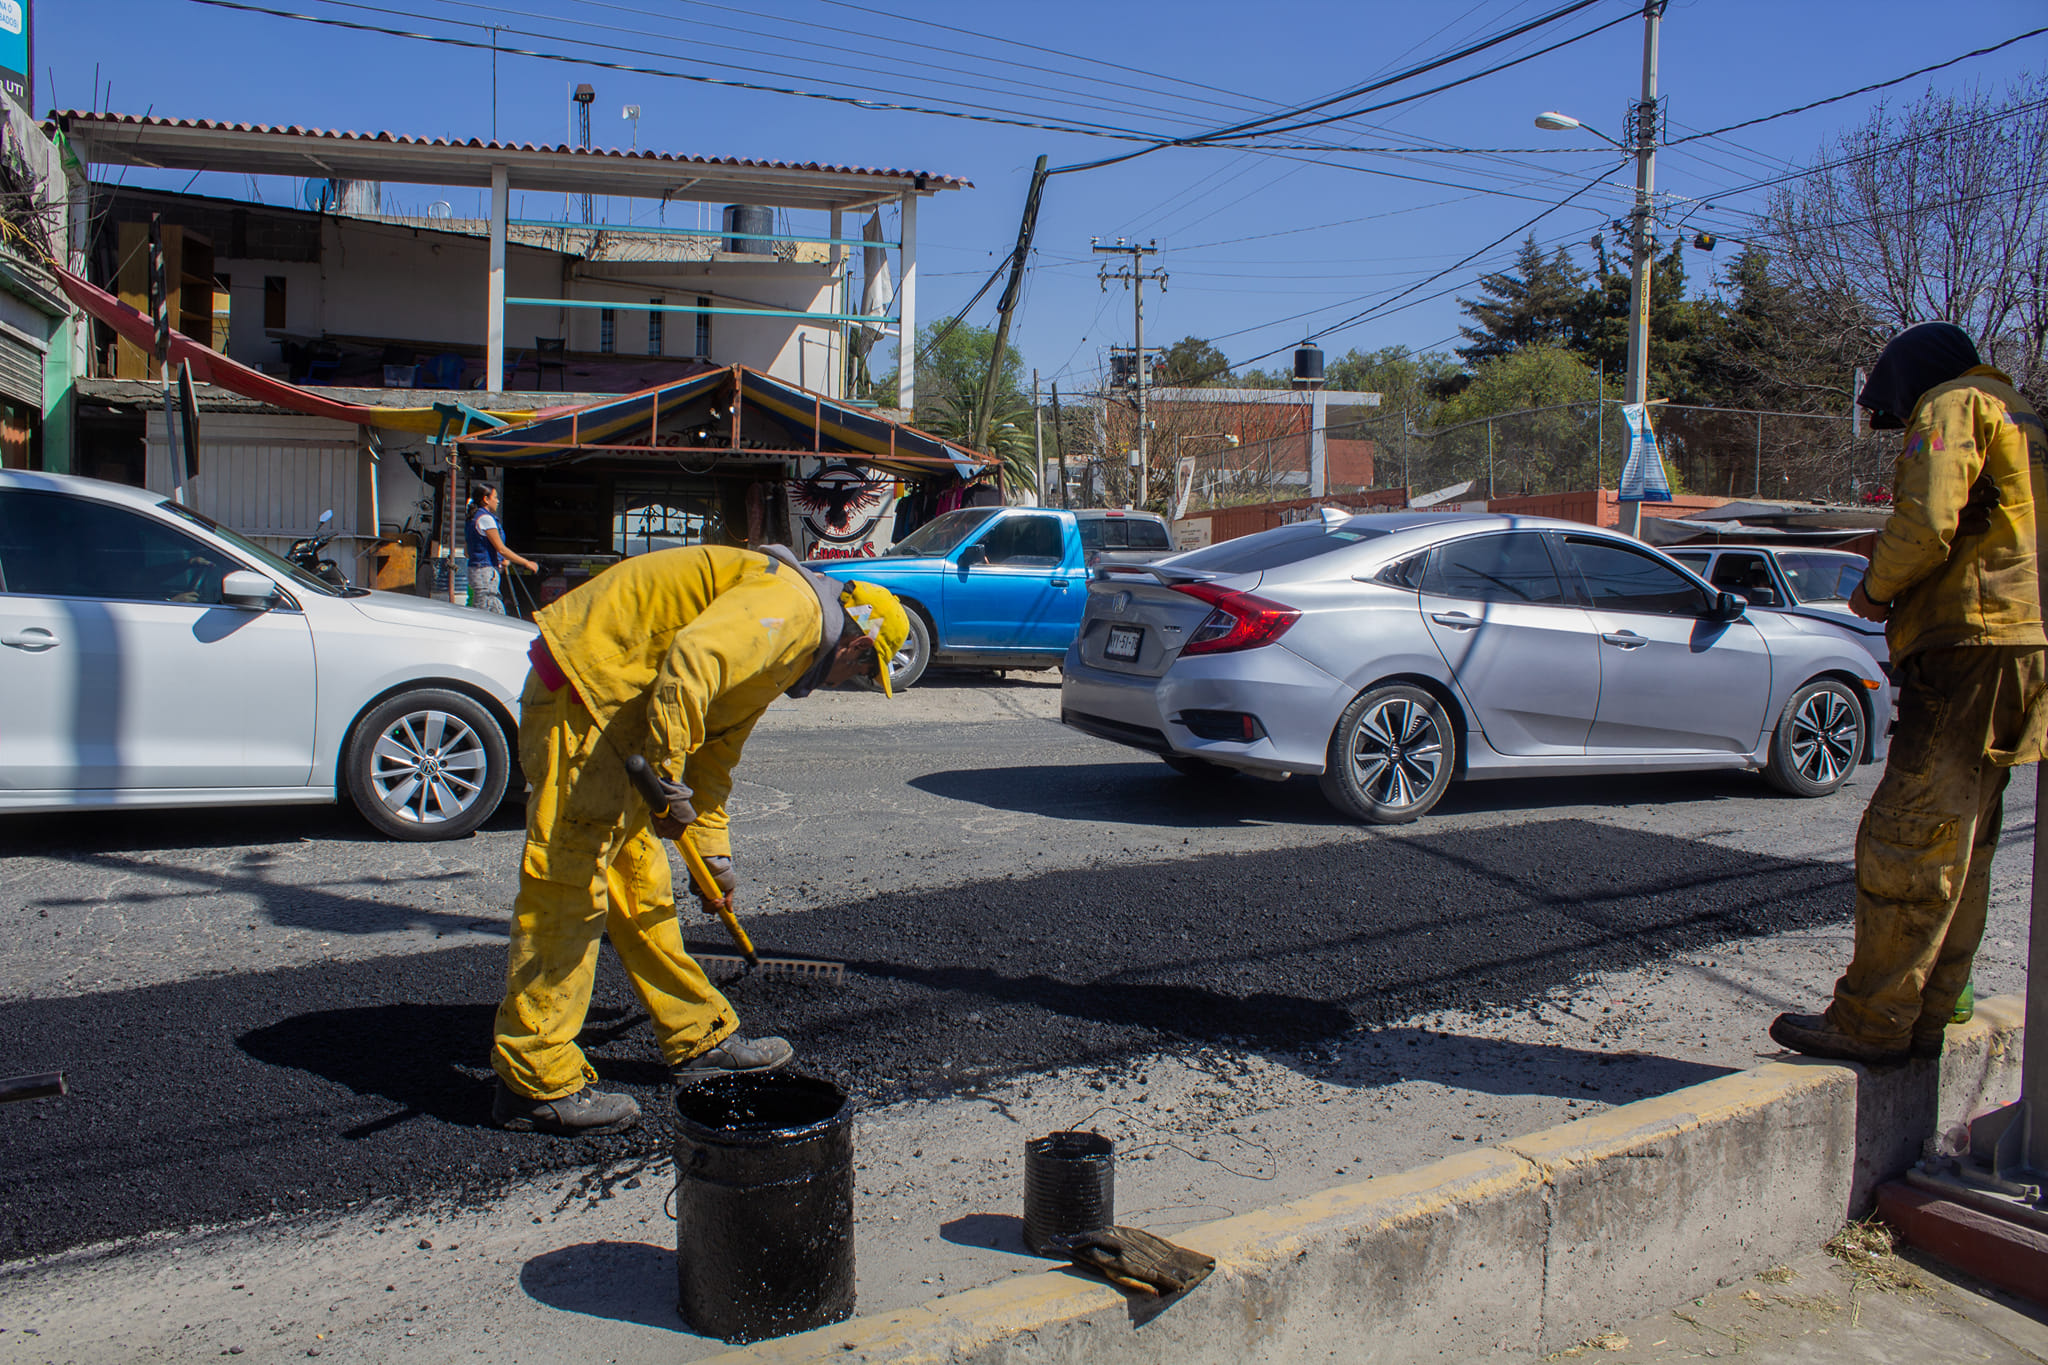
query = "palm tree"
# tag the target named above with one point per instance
(1009, 432)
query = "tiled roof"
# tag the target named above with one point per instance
(90, 120)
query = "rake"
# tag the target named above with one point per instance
(748, 961)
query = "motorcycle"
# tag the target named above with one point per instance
(305, 554)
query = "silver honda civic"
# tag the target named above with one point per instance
(1391, 653)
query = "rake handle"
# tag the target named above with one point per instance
(641, 774)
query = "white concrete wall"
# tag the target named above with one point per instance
(419, 286)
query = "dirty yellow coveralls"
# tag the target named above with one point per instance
(673, 655)
(1966, 640)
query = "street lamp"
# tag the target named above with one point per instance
(1550, 121)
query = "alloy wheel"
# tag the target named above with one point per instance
(428, 767)
(1397, 752)
(1825, 733)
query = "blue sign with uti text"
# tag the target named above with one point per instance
(16, 50)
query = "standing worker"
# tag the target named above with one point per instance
(1955, 578)
(673, 655)
(488, 551)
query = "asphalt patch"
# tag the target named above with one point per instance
(321, 1088)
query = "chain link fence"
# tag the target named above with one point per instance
(1716, 452)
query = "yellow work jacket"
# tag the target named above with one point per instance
(1959, 557)
(677, 653)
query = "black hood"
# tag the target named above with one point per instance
(1913, 362)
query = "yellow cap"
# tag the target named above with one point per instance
(882, 619)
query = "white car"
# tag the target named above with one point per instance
(150, 657)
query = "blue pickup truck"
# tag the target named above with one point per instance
(1000, 587)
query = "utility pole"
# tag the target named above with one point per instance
(1643, 124)
(584, 97)
(1037, 437)
(1059, 449)
(1134, 275)
(1025, 228)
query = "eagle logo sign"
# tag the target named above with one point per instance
(840, 504)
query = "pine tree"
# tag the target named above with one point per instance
(1531, 305)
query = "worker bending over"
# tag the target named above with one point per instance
(1955, 577)
(673, 655)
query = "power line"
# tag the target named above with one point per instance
(1863, 90)
(445, 40)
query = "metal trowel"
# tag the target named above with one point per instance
(749, 961)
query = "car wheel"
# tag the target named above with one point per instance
(427, 764)
(914, 657)
(1819, 739)
(1200, 769)
(1391, 755)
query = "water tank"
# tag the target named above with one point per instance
(358, 196)
(1308, 366)
(758, 222)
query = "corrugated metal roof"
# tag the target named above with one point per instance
(89, 120)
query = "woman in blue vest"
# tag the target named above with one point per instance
(488, 551)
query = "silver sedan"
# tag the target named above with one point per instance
(1390, 654)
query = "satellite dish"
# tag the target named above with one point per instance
(319, 195)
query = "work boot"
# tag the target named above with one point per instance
(586, 1113)
(734, 1057)
(1816, 1036)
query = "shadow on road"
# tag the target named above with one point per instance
(1140, 792)
(81, 834)
(1498, 1066)
(625, 1281)
(996, 1231)
(1147, 792)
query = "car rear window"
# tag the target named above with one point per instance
(1271, 549)
(1123, 533)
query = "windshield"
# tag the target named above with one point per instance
(283, 570)
(1271, 549)
(1818, 578)
(940, 535)
(1123, 533)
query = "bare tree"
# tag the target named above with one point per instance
(1938, 211)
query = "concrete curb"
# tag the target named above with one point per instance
(1530, 1245)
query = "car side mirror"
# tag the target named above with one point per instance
(1727, 606)
(969, 555)
(247, 588)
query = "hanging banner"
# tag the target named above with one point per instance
(1642, 478)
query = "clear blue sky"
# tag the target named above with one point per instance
(1248, 239)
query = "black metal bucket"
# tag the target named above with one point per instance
(764, 1205)
(1069, 1186)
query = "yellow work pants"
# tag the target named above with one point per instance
(591, 866)
(1923, 852)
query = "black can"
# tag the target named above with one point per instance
(764, 1205)
(1069, 1186)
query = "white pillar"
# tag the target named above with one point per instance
(1318, 452)
(835, 348)
(906, 310)
(494, 320)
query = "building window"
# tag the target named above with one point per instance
(607, 330)
(703, 330)
(654, 331)
(273, 302)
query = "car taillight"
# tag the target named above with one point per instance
(1241, 620)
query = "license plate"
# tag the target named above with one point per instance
(1122, 644)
